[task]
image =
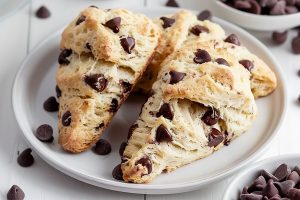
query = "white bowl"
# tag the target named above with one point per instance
(254, 21)
(248, 175)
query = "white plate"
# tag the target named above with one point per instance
(8, 7)
(35, 82)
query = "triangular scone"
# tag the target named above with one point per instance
(198, 105)
(175, 29)
(104, 53)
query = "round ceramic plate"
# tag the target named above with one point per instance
(8, 7)
(35, 82)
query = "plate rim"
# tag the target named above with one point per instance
(157, 188)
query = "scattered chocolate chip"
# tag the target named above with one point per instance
(114, 24)
(114, 105)
(25, 159)
(128, 44)
(43, 12)
(44, 133)
(165, 111)
(222, 61)
(270, 190)
(126, 86)
(96, 81)
(197, 29)
(163, 134)
(117, 173)
(122, 148)
(204, 15)
(211, 117)
(215, 138)
(284, 186)
(172, 3)
(58, 91)
(130, 131)
(102, 147)
(268, 176)
(146, 162)
(279, 37)
(80, 20)
(247, 64)
(176, 77)
(66, 118)
(201, 56)
(62, 59)
(88, 46)
(296, 45)
(15, 193)
(167, 22)
(251, 197)
(51, 104)
(233, 39)
(282, 172)
(294, 194)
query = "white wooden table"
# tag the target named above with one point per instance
(22, 31)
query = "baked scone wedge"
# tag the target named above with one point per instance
(104, 54)
(199, 104)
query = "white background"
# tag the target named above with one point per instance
(23, 31)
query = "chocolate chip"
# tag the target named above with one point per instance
(117, 173)
(25, 159)
(284, 186)
(114, 105)
(247, 64)
(88, 46)
(282, 172)
(125, 86)
(163, 134)
(165, 111)
(114, 24)
(201, 56)
(15, 193)
(58, 91)
(122, 148)
(296, 45)
(102, 147)
(222, 61)
(242, 5)
(258, 185)
(172, 3)
(197, 29)
(211, 117)
(204, 15)
(167, 22)
(270, 190)
(44, 133)
(128, 44)
(294, 176)
(267, 3)
(146, 162)
(93, 6)
(64, 54)
(233, 39)
(278, 8)
(96, 81)
(176, 77)
(255, 7)
(290, 2)
(294, 194)
(66, 118)
(51, 104)
(80, 20)
(130, 131)
(297, 169)
(101, 125)
(279, 37)
(291, 9)
(268, 176)
(251, 197)
(43, 12)
(215, 137)
(245, 190)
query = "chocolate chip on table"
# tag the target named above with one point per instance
(122, 148)
(66, 118)
(114, 105)
(114, 24)
(96, 81)
(201, 56)
(172, 3)
(43, 12)
(126, 86)
(145, 161)
(80, 20)
(247, 64)
(282, 172)
(62, 59)
(197, 29)
(233, 39)
(44, 133)
(204, 15)
(102, 147)
(211, 117)
(167, 22)
(215, 137)
(58, 91)
(163, 134)
(127, 43)
(296, 45)
(25, 159)
(222, 61)
(51, 104)
(279, 37)
(130, 131)
(176, 77)
(270, 190)
(15, 193)
(117, 173)
(165, 111)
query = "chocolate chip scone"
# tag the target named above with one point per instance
(104, 53)
(199, 103)
(175, 29)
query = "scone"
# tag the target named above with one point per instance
(199, 103)
(104, 53)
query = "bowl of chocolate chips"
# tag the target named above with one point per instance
(260, 15)
(276, 178)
